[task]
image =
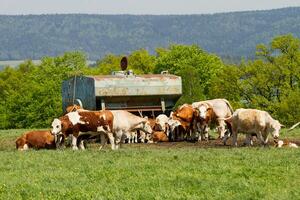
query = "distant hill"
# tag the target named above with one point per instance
(229, 34)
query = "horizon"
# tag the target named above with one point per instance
(108, 14)
(139, 7)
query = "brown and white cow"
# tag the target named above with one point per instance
(93, 122)
(215, 110)
(158, 136)
(40, 139)
(183, 118)
(252, 121)
(285, 143)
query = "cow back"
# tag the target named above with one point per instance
(37, 139)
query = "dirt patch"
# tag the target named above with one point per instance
(184, 144)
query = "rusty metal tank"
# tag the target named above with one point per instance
(124, 90)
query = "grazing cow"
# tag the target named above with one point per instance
(285, 143)
(125, 122)
(175, 128)
(162, 122)
(252, 121)
(36, 139)
(185, 116)
(215, 110)
(92, 122)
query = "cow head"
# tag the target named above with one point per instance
(274, 128)
(144, 126)
(56, 126)
(173, 123)
(147, 126)
(204, 109)
(149, 138)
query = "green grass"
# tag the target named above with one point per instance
(149, 172)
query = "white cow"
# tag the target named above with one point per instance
(125, 122)
(220, 109)
(252, 121)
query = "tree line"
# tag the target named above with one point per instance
(30, 95)
(227, 34)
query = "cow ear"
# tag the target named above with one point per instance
(146, 117)
(282, 125)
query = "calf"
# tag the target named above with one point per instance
(158, 136)
(92, 122)
(36, 139)
(204, 119)
(252, 121)
(285, 143)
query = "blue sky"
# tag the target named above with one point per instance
(139, 6)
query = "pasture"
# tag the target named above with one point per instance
(150, 171)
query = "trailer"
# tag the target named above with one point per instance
(123, 90)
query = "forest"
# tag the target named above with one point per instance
(30, 95)
(230, 35)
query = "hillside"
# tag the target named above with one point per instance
(229, 34)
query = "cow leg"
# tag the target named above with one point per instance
(81, 144)
(135, 137)
(111, 140)
(129, 136)
(234, 137)
(206, 131)
(118, 138)
(103, 140)
(74, 142)
(265, 139)
(221, 128)
(261, 138)
(248, 140)
(123, 138)
(142, 136)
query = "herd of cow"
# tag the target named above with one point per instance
(189, 121)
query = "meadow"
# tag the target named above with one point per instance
(150, 171)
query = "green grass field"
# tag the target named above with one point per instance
(149, 171)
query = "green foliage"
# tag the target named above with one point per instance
(271, 82)
(141, 62)
(32, 93)
(196, 67)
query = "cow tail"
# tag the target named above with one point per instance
(229, 106)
